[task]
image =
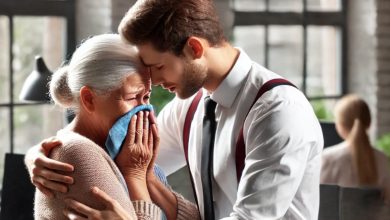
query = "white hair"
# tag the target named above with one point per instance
(102, 63)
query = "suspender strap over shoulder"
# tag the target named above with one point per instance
(240, 146)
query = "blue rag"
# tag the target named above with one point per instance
(118, 132)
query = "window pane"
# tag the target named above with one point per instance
(324, 5)
(324, 109)
(36, 36)
(4, 139)
(323, 61)
(34, 123)
(4, 59)
(249, 5)
(285, 55)
(251, 39)
(285, 5)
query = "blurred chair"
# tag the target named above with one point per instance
(331, 137)
(17, 197)
(352, 203)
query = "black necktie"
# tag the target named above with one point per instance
(209, 126)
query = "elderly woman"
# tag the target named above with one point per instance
(101, 84)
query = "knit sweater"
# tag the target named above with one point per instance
(92, 167)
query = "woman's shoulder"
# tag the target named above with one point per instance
(335, 154)
(75, 146)
(382, 159)
(336, 150)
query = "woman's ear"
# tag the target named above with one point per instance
(194, 47)
(87, 99)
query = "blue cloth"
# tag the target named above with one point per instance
(118, 132)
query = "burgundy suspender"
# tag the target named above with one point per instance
(186, 134)
(240, 146)
(188, 120)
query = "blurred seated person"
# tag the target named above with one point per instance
(103, 81)
(355, 162)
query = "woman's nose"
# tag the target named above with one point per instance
(143, 101)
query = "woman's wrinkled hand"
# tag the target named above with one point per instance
(155, 145)
(137, 151)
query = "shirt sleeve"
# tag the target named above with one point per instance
(170, 122)
(282, 139)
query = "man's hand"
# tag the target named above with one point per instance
(113, 210)
(43, 170)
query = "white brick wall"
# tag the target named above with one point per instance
(383, 73)
(92, 17)
(362, 65)
(118, 10)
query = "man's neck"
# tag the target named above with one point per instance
(220, 61)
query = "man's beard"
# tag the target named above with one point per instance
(194, 77)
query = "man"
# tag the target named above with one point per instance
(183, 44)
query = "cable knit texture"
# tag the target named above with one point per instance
(146, 210)
(186, 209)
(92, 167)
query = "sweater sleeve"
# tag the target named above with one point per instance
(146, 210)
(92, 167)
(186, 209)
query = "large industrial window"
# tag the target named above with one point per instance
(29, 28)
(302, 40)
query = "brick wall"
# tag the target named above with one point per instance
(92, 17)
(362, 65)
(118, 10)
(383, 61)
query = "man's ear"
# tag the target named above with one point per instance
(194, 47)
(87, 99)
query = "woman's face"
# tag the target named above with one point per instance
(135, 91)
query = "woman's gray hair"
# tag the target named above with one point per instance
(102, 63)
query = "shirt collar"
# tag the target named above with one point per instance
(227, 91)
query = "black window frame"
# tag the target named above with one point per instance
(304, 18)
(11, 8)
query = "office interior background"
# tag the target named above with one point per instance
(327, 48)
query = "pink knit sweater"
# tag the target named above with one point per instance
(92, 167)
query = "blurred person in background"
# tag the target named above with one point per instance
(355, 162)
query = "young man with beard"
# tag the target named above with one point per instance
(182, 43)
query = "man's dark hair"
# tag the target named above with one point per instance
(167, 24)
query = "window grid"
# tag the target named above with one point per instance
(305, 18)
(11, 8)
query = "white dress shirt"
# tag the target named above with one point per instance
(283, 147)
